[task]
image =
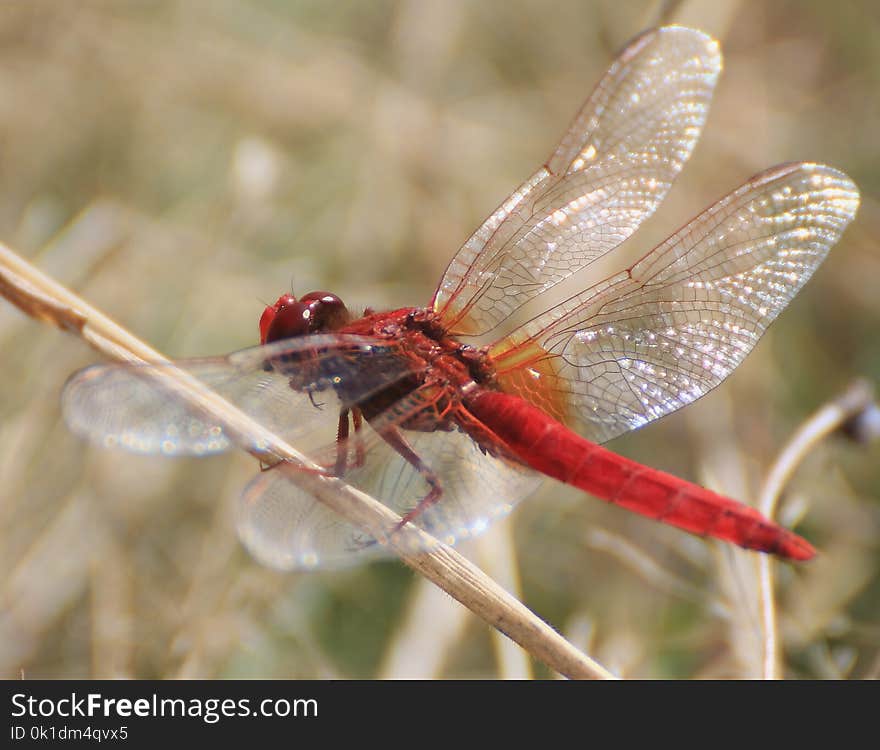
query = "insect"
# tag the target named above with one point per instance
(412, 407)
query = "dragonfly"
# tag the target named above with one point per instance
(451, 433)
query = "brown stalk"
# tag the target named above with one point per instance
(833, 416)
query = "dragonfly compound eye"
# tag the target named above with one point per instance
(289, 317)
(326, 312)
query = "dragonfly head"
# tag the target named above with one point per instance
(315, 312)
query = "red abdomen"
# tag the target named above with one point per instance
(548, 446)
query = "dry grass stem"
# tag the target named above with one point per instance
(496, 552)
(41, 297)
(858, 398)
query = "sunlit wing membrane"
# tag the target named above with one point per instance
(611, 170)
(285, 527)
(651, 339)
(289, 387)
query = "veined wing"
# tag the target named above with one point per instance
(659, 335)
(285, 527)
(289, 387)
(611, 170)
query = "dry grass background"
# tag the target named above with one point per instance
(181, 163)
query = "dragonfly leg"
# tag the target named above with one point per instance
(316, 404)
(266, 465)
(357, 419)
(393, 437)
(342, 437)
(341, 444)
(341, 465)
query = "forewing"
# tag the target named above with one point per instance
(651, 339)
(289, 387)
(611, 170)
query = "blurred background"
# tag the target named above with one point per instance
(180, 164)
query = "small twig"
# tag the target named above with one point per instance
(857, 399)
(43, 298)
(496, 552)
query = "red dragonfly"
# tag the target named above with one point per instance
(411, 407)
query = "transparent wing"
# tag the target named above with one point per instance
(611, 170)
(658, 336)
(285, 527)
(290, 387)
